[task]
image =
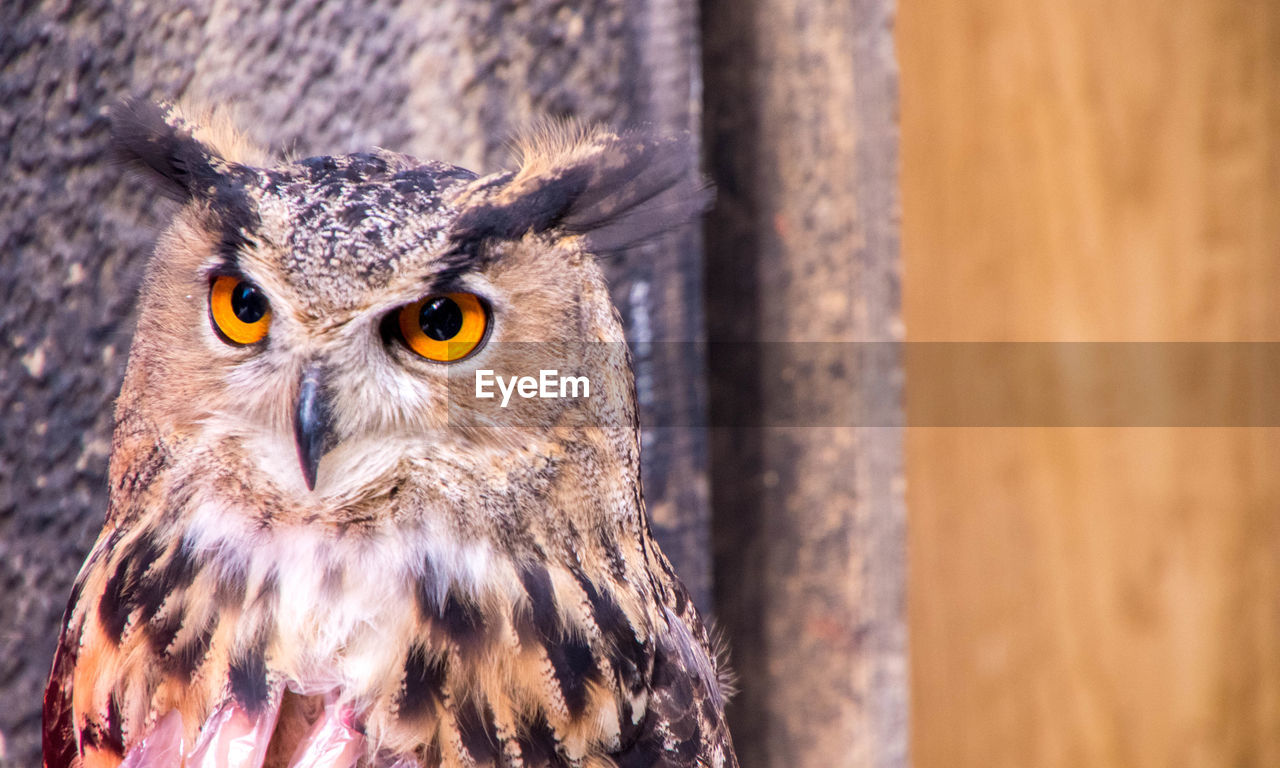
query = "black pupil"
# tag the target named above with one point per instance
(248, 303)
(440, 318)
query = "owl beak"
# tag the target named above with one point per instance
(312, 423)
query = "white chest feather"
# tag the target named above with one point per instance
(344, 608)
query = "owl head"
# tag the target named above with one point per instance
(316, 331)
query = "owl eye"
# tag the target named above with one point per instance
(239, 310)
(444, 327)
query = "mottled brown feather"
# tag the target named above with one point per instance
(471, 586)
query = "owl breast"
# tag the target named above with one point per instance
(334, 612)
(430, 641)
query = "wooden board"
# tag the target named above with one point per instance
(1092, 171)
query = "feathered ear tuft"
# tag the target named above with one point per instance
(617, 191)
(187, 157)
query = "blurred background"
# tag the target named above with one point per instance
(1092, 171)
(894, 591)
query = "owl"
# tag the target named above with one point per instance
(356, 516)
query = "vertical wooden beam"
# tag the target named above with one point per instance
(1094, 171)
(802, 254)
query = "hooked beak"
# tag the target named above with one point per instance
(312, 423)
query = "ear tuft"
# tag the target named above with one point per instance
(187, 157)
(616, 191)
(640, 186)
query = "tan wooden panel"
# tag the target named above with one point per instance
(1092, 170)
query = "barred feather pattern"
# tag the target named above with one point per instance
(517, 662)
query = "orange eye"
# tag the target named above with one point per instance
(444, 327)
(239, 310)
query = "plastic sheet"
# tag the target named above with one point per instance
(232, 738)
(333, 742)
(162, 748)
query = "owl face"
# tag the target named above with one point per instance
(328, 318)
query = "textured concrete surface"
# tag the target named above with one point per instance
(448, 80)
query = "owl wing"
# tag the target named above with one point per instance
(69, 741)
(684, 725)
(59, 737)
(102, 708)
(232, 737)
